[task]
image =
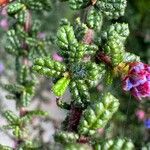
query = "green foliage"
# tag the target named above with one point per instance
(129, 57)
(24, 90)
(115, 37)
(2, 147)
(17, 124)
(66, 137)
(60, 87)
(76, 147)
(117, 144)
(29, 145)
(49, 67)
(94, 19)
(21, 5)
(81, 70)
(112, 9)
(97, 115)
(146, 146)
(80, 74)
(115, 50)
(118, 31)
(17, 36)
(77, 4)
(80, 29)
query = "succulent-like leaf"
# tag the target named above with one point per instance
(80, 29)
(97, 115)
(112, 9)
(66, 137)
(119, 31)
(77, 4)
(115, 50)
(14, 8)
(94, 19)
(80, 93)
(66, 37)
(118, 144)
(130, 57)
(46, 66)
(11, 117)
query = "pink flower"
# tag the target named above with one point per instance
(140, 114)
(138, 80)
(4, 24)
(57, 57)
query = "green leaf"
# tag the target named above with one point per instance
(14, 88)
(60, 87)
(22, 16)
(2, 147)
(13, 39)
(97, 115)
(112, 9)
(66, 137)
(130, 57)
(30, 114)
(80, 29)
(66, 37)
(78, 4)
(94, 19)
(119, 31)
(76, 147)
(118, 144)
(11, 117)
(14, 8)
(46, 66)
(38, 4)
(17, 132)
(115, 50)
(80, 92)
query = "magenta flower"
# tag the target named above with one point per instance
(137, 81)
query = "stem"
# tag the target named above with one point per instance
(102, 57)
(74, 118)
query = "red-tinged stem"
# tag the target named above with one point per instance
(83, 140)
(74, 118)
(102, 57)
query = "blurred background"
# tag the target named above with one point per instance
(131, 119)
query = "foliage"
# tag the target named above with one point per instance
(93, 54)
